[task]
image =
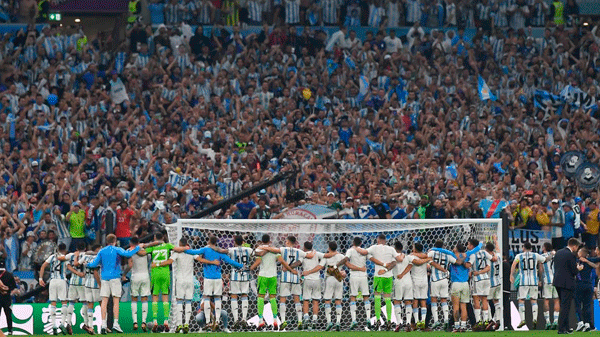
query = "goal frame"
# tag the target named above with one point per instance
(324, 226)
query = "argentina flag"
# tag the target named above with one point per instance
(484, 91)
(544, 100)
(577, 98)
(364, 88)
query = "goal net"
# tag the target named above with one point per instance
(320, 232)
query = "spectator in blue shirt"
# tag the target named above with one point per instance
(568, 230)
(244, 207)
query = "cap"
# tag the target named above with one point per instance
(177, 205)
(163, 193)
(207, 134)
(577, 200)
(34, 163)
(554, 201)
(349, 199)
(330, 194)
(567, 204)
(75, 203)
(30, 233)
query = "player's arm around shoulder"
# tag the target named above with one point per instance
(200, 259)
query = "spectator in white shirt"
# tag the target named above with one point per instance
(337, 39)
(352, 41)
(392, 42)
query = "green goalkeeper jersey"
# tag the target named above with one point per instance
(160, 254)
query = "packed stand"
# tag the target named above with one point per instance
(484, 14)
(173, 121)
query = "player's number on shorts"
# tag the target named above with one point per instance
(496, 269)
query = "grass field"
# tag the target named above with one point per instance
(539, 333)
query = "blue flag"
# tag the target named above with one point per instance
(484, 91)
(374, 145)
(350, 63)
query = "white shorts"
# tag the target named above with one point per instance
(403, 290)
(461, 290)
(311, 290)
(359, 284)
(440, 289)
(495, 293)
(184, 290)
(111, 288)
(528, 293)
(213, 287)
(239, 287)
(481, 288)
(92, 295)
(57, 290)
(140, 285)
(420, 290)
(333, 289)
(76, 293)
(287, 289)
(549, 292)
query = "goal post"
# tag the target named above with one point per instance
(320, 232)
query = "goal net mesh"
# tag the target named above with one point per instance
(320, 233)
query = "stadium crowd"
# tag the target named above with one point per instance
(103, 137)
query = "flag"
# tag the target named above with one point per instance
(577, 98)
(544, 100)
(350, 63)
(373, 145)
(364, 88)
(484, 91)
(331, 66)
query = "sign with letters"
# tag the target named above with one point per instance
(516, 238)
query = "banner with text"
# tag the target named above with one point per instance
(516, 238)
(24, 322)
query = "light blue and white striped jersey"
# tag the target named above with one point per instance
(495, 271)
(479, 261)
(548, 269)
(528, 266)
(292, 11)
(255, 10)
(443, 260)
(75, 280)
(291, 255)
(58, 269)
(241, 255)
(89, 280)
(330, 11)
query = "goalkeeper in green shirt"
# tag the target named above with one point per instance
(160, 277)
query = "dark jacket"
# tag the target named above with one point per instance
(565, 269)
(9, 280)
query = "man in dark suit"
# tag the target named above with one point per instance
(565, 270)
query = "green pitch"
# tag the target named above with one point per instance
(539, 333)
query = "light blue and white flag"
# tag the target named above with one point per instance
(484, 91)
(364, 88)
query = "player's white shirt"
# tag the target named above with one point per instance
(241, 255)
(58, 269)
(527, 263)
(418, 272)
(139, 265)
(548, 268)
(401, 266)
(290, 255)
(332, 261)
(358, 260)
(385, 254)
(75, 280)
(90, 280)
(183, 267)
(268, 264)
(444, 260)
(309, 264)
(495, 271)
(480, 261)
